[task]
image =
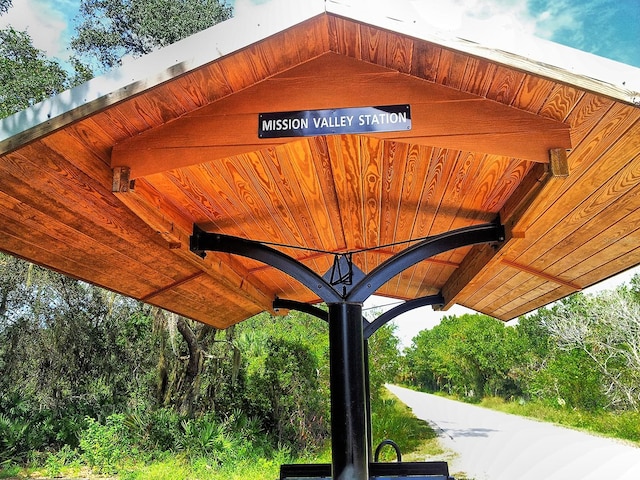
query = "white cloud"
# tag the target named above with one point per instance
(494, 23)
(44, 21)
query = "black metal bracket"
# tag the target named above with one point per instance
(283, 304)
(389, 315)
(369, 328)
(361, 286)
(430, 247)
(342, 270)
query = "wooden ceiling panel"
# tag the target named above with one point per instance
(485, 126)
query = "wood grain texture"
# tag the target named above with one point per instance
(480, 141)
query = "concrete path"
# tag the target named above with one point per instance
(497, 446)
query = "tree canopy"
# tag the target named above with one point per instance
(4, 6)
(581, 352)
(112, 29)
(27, 76)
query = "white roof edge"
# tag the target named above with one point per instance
(530, 54)
(158, 67)
(599, 75)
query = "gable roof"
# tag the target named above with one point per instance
(490, 135)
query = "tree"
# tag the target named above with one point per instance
(4, 6)
(287, 372)
(112, 29)
(26, 75)
(471, 355)
(384, 359)
(68, 349)
(605, 328)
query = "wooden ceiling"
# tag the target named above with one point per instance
(558, 159)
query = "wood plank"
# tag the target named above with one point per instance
(544, 294)
(311, 38)
(80, 203)
(451, 69)
(613, 266)
(228, 180)
(583, 244)
(322, 159)
(372, 178)
(201, 86)
(373, 45)
(441, 167)
(561, 102)
(479, 75)
(399, 52)
(505, 85)
(295, 172)
(418, 168)
(398, 185)
(41, 243)
(346, 167)
(554, 225)
(394, 158)
(162, 221)
(425, 60)
(608, 228)
(534, 94)
(59, 246)
(204, 300)
(269, 200)
(481, 266)
(344, 37)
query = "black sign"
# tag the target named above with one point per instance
(311, 123)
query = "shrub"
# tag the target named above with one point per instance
(105, 446)
(64, 457)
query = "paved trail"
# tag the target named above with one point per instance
(497, 446)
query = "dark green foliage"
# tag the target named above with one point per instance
(287, 376)
(470, 355)
(580, 353)
(26, 75)
(112, 29)
(4, 6)
(569, 378)
(284, 392)
(82, 366)
(384, 359)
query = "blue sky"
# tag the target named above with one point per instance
(608, 28)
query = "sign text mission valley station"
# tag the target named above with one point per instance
(309, 123)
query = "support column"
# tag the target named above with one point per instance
(348, 393)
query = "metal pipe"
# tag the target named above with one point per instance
(350, 459)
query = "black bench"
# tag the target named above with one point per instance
(377, 471)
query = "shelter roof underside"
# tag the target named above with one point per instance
(487, 140)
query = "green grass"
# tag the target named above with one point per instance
(394, 421)
(621, 425)
(391, 419)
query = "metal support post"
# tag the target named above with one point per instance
(350, 459)
(344, 289)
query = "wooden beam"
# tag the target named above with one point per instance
(152, 209)
(558, 163)
(516, 215)
(121, 179)
(538, 273)
(441, 117)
